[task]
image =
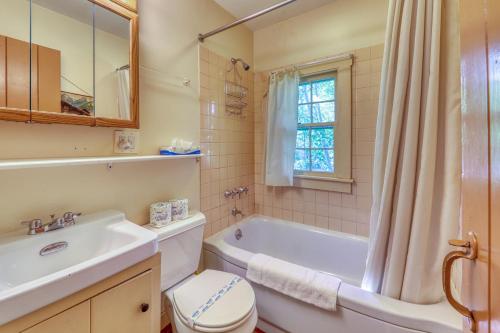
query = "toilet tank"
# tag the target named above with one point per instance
(180, 246)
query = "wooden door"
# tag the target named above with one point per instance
(493, 37)
(126, 308)
(49, 80)
(74, 320)
(480, 43)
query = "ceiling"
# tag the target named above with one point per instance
(242, 8)
(82, 11)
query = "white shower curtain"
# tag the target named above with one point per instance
(124, 93)
(281, 128)
(417, 166)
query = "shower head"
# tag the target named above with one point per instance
(246, 66)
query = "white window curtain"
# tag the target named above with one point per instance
(281, 128)
(124, 93)
(417, 166)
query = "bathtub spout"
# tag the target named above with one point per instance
(235, 212)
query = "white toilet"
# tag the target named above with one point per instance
(212, 301)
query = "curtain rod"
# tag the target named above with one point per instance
(202, 37)
(339, 57)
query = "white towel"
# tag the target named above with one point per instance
(296, 281)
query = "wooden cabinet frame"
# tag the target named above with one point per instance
(43, 117)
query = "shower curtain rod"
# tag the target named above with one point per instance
(202, 37)
(339, 57)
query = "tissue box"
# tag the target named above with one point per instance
(180, 209)
(160, 214)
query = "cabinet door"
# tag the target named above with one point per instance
(49, 79)
(74, 320)
(125, 308)
(18, 74)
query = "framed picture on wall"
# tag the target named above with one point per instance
(129, 4)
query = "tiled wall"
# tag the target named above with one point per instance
(344, 212)
(228, 142)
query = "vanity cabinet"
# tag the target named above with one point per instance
(128, 302)
(74, 320)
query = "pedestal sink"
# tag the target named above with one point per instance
(98, 246)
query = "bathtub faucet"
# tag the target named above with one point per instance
(235, 212)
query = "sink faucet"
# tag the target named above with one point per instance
(36, 226)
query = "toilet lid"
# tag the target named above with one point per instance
(214, 300)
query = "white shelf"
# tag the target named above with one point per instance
(76, 161)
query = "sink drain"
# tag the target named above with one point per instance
(53, 248)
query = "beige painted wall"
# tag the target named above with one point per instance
(168, 44)
(340, 27)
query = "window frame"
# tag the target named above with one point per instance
(341, 179)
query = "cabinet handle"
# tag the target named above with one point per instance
(469, 252)
(144, 307)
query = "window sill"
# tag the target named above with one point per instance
(342, 185)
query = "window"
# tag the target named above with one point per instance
(323, 147)
(315, 148)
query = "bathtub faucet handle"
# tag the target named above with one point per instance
(240, 190)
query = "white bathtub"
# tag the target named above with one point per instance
(337, 253)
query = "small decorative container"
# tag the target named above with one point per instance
(180, 209)
(160, 214)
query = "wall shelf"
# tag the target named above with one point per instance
(77, 161)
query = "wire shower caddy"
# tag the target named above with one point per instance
(236, 94)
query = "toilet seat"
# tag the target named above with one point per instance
(214, 302)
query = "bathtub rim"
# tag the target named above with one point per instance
(438, 318)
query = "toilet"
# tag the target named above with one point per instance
(212, 301)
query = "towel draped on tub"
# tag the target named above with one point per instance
(302, 283)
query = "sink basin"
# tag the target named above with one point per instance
(98, 246)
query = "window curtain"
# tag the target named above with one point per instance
(417, 164)
(281, 128)
(124, 93)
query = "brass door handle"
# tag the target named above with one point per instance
(470, 253)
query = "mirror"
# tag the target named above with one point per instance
(75, 67)
(112, 65)
(15, 60)
(62, 38)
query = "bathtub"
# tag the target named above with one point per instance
(340, 254)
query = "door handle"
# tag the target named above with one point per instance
(469, 252)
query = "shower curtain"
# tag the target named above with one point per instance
(124, 93)
(281, 128)
(417, 166)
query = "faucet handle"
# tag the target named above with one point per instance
(34, 226)
(70, 217)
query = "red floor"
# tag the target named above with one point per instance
(168, 329)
